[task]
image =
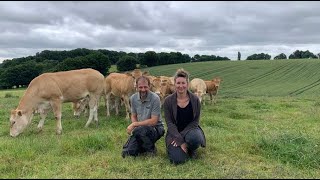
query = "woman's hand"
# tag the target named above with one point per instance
(174, 143)
(184, 147)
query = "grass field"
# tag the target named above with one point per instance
(265, 124)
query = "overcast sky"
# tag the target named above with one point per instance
(220, 28)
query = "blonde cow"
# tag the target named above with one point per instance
(198, 87)
(212, 88)
(120, 86)
(50, 90)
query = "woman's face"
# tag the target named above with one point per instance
(181, 85)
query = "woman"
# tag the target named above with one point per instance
(182, 114)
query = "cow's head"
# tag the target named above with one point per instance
(156, 86)
(19, 120)
(80, 106)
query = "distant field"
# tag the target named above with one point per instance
(255, 78)
(265, 125)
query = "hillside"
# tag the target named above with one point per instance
(255, 78)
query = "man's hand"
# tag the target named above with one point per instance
(131, 127)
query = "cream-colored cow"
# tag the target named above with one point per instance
(199, 88)
(50, 90)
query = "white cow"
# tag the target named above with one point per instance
(198, 87)
(50, 90)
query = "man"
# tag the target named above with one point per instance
(146, 125)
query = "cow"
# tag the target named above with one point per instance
(198, 87)
(80, 106)
(212, 88)
(50, 90)
(167, 88)
(121, 86)
(155, 85)
(136, 73)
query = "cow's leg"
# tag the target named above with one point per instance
(215, 97)
(116, 104)
(108, 103)
(93, 109)
(127, 105)
(96, 109)
(43, 115)
(56, 107)
(211, 99)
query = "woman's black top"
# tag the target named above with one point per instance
(184, 116)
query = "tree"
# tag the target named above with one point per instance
(196, 57)
(280, 56)
(260, 56)
(126, 63)
(98, 61)
(302, 55)
(21, 74)
(239, 56)
(95, 60)
(164, 58)
(150, 59)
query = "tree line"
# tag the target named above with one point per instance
(295, 55)
(20, 71)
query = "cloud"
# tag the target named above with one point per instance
(214, 28)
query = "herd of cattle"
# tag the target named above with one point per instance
(84, 88)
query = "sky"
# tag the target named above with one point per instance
(221, 28)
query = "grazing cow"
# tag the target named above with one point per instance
(80, 106)
(199, 88)
(121, 86)
(50, 90)
(212, 88)
(83, 105)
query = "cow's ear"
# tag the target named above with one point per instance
(19, 113)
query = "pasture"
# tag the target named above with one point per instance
(265, 124)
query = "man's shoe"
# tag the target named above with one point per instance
(152, 152)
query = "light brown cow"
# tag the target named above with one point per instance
(155, 85)
(167, 88)
(121, 86)
(80, 106)
(136, 73)
(162, 87)
(199, 88)
(50, 90)
(212, 88)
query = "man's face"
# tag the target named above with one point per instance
(143, 87)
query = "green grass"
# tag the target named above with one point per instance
(257, 129)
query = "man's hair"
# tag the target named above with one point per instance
(181, 73)
(144, 78)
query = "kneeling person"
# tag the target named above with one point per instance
(146, 125)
